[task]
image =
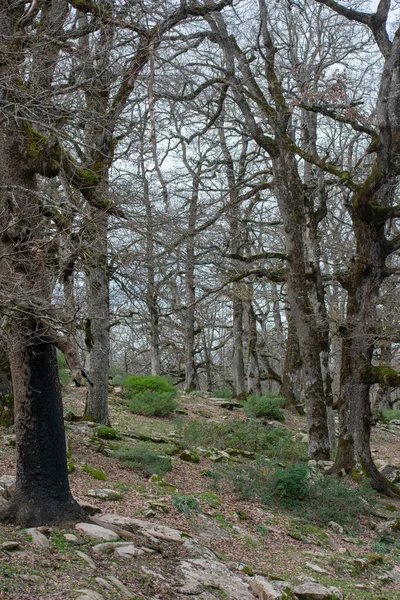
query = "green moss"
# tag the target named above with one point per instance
(106, 433)
(95, 473)
(382, 374)
(34, 141)
(89, 177)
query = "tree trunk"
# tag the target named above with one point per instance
(97, 329)
(363, 283)
(291, 376)
(238, 375)
(289, 191)
(253, 369)
(42, 495)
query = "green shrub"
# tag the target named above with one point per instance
(185, 503)
(95, 473)
(149, 403)
(144, 460)
(276, 443)
(144, 383)
(318, 502)
(116, 374)
(265, 406)
(290, 485)
(388, 415)
(225, 393)
(106, 433)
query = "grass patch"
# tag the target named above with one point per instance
(63, 371)
(276, 443)
(144, 460)
(95, 473)
(185, 503)
(106, 433)
(389, 415)
(268, 406)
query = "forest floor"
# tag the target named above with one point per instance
(250, 536)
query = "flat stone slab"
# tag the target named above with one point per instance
(96, 532)
(213, 574)
(104, 494)
(155, 530)
(109, 547)
(38, 538)
(128, 551)
(89, 595)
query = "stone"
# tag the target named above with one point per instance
(88, 509)
(158, 480)
(122, 587)
(38, 538)
(189, 456)
(109, 547)
(264, 590)
(154, 530)
(87, 559)
(89, 595)
(128, 551)
(104, 584)
(214, 574)
(336, 527)
(96, 532)
(7, 485)
(10, 440)
(389, 526)
(316, 591)
(31, 578)
(240, 453)
(105, 494)
(391, 472)
(316, 568)
(9, 546)
(73, 539)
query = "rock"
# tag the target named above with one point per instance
(105, 494)
(158, 480)
(87, 559)
(215, 575)
(160, 505)
(154, 530)
(391, 472)
(237, 452)
(38, 538)
(264, 590)
(89, 509)
(73, 539)
(109, 547)
(104, 584)
(7, 486)
(389, 526)
(395, 422)
(336, 527)
(316, 568)
(128, 551)
(316, 591)
(9, 546)
(89, 595)
(96, 532)
(122, 588)
(227, 404)
(189, 456)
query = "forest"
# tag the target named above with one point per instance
(200, 235)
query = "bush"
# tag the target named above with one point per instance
(116, 374)
(277, 442)
(265, 406)
(185, 503)
(106, 433)
(225, 393)
(144, 383)
(290, 485)
(149, 403)
(388, 415)
(144, 460)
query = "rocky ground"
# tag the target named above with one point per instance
(146, 545)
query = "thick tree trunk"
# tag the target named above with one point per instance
(97, 329)
(42, 495)
(253, 369)
(291, 376)
(359, 333)
(289, 193)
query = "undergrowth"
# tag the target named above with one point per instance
(267, 406)
(275, 443)
(150, 395)
(142, 459)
